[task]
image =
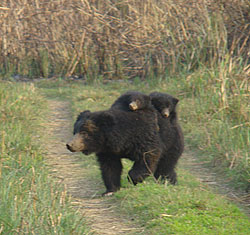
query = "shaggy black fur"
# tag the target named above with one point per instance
(114, 134)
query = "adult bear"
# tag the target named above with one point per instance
(171, 135)
(114, 134)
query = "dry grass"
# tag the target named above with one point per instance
(118, 39)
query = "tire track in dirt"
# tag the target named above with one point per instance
(99, 212)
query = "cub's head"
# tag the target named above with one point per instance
(164, 103)
(131, 101)
(138, 100)
(89, 132)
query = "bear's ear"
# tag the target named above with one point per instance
(83, 114)
(79, 121)
(105, 120)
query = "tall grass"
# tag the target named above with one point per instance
(30, 202)
(120, 39)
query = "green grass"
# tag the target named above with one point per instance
(30, 201)
(189, 208)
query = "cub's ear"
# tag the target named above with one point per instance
(105, 120)
(175, 101)
(85, 112)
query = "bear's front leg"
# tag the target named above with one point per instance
(111, 169)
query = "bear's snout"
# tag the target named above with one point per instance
(76, 144)
(69, 148)
(165, 112)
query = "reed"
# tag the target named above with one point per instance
(120, 39)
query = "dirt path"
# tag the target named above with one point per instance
(98, 211)
(220, 185)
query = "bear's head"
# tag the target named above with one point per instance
(89, 132)
(164, 103)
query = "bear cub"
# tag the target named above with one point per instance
(171, 135)
(131, 101)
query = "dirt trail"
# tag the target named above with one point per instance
(219, 184)
(98, 211)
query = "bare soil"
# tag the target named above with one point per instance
(100, 212)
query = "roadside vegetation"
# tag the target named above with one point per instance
(123, 39)
(30, 201)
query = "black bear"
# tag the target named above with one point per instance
(171, 135)
(114, 134)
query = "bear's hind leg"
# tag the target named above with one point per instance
(172, 177)
(143, 168)
(166, 168)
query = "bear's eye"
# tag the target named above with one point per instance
(84, 133)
